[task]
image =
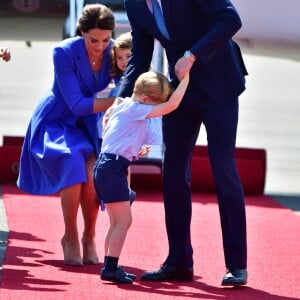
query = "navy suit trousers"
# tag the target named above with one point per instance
(180, 130)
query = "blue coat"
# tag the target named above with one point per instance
(62, 132)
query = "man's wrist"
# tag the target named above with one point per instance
(189, 55)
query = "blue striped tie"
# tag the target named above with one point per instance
(159, 19)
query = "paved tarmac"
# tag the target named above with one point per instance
(269, 108)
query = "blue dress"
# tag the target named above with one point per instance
(62, 132)
(117, 81)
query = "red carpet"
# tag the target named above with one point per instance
(33, 267)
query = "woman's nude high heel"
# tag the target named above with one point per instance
(71, 253)
(90, 256)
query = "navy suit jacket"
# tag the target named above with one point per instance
(202, 26)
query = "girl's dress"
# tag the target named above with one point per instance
(62, 132)
(117, 81)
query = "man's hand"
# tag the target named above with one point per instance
(183, 66)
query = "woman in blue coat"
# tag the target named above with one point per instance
(61, 143)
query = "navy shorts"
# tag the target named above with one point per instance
(110, 178)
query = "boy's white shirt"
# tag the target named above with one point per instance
(126, 129)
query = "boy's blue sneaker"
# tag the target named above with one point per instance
(119, 276)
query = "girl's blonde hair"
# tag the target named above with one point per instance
(155, 85)
(123, 41)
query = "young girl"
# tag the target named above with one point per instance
(123, 137)
(121, 52)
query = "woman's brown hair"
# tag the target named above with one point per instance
(95, 16)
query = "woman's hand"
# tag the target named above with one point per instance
(108, 112)
(106, 117)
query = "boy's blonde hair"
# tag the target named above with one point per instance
(123, 41)
(155, 85)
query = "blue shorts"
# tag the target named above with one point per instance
(110, 178)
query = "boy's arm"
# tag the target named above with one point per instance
(174, 101)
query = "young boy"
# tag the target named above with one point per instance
(123, 137)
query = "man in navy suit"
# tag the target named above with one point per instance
(199, 42)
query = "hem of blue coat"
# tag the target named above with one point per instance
(45, 192)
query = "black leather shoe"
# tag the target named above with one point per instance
(235, 277)
(169, 273)
(118, 276)
(130, 275)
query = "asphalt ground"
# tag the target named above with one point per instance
(269, 108)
